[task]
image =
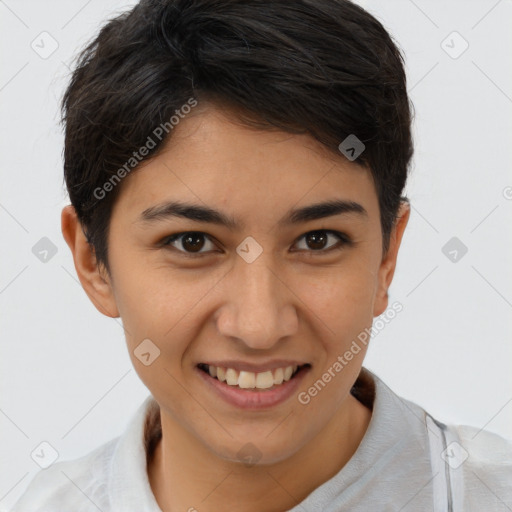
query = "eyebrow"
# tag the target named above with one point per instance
(201, 213)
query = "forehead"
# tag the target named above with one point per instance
(214, 159)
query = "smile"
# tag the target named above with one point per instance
(268, 379)
(253, 390)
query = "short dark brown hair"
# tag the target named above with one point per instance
(321, 67)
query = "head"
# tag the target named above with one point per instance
(234, 112)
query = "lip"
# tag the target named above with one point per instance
(250, 399)
(256, 368)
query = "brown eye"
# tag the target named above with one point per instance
(317, 241)
(189, 243)
(193, 242)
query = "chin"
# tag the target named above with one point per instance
(257, 451)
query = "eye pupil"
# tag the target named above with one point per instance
(193, 242)
(316, 240)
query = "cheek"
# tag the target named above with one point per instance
(341, 306)
(342, 298)
(161, 304)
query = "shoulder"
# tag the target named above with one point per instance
(79, 484)
(488, 455)
(470, 468)
(480, 466)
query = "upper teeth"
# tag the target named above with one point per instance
(250, 380)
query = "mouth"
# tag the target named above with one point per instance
(263, 381)
(252, 390)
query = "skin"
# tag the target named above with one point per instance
(292, 302)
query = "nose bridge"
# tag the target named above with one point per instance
(261, 312)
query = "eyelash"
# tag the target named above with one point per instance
(343, 240)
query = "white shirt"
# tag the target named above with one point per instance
(406, 462)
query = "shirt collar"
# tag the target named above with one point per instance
(129, 481)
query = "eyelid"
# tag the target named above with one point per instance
(343, 240)
(166, 243)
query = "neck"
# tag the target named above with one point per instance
(184, 475)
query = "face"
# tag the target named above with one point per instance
(218, 258)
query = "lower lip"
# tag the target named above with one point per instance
(250, 399)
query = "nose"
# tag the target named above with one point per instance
(260, 309)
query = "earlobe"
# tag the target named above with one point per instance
(94, 280)
(388, 264)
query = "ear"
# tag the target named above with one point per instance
(95, 280)
(388, 264)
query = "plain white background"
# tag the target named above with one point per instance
(65, 372)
